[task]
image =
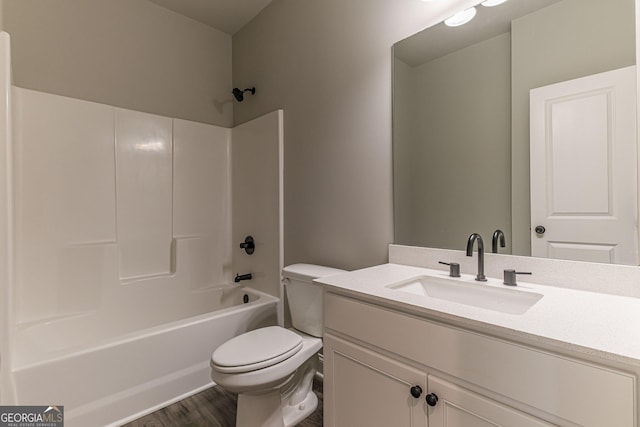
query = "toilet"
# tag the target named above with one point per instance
(272, 368)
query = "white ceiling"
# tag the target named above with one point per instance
(225, 15)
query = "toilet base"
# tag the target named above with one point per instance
(283, 406)
(293, 414)
(268, 410)
(260, 410)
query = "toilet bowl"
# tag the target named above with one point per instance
(272, 368)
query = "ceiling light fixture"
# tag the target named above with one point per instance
(461, 18)
(491, 3)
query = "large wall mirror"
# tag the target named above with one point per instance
(461, 115)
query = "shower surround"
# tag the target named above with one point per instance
(120, 241)
(109, 203)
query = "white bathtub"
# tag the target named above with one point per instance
(104, 377)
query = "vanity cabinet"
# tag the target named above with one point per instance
(370, 389)
(374, 355)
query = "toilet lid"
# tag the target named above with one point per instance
(256, 349)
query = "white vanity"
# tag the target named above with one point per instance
(403, 347)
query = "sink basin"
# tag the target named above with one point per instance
(511, 301)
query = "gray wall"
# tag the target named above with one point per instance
(128, 53)
(452, 164)
(328, 65)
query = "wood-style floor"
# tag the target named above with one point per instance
(213, 407)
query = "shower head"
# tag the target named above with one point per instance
(239, 94)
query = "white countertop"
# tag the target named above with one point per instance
(590, 323)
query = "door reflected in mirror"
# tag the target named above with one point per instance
(461, 116)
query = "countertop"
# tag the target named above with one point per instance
(590, 323)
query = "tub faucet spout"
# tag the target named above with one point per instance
(472, 239)
(241, 277)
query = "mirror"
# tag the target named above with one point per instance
(461, 112)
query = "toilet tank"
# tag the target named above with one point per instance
(305, 297)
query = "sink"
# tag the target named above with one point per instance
(511, 301)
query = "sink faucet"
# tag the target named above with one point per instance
(472, 239)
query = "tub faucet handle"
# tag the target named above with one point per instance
(248, 245)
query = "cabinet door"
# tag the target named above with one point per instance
(458, 407)
(363, 388)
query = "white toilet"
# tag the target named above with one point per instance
(272, 368)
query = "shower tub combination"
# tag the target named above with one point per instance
(121, 229)
(108, 381)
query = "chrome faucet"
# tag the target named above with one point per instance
(472, 239)
(497, 235)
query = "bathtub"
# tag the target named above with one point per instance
(104, 375)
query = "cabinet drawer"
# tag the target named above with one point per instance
(577, 391)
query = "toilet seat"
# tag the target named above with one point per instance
(256, 349)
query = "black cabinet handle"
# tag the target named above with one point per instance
(431, 399)
(416, 391)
